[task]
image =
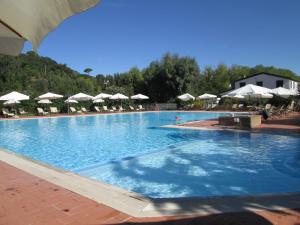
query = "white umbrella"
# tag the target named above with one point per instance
(206, 96)
(50, 96)
(71, 101)
(11, 102)
(81, 97)
(102, 96)
(99, 100)
(234, 96)
(251, 90)
(33, 19)
(44, 101)
(118, 96)
(283, 92)
(139, 97)
(186, 97)
(16, 96)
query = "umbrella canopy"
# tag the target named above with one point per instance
(49, 95)
(81, 97)
(251, 90)
(99, 100)
(139, 97)
(283, 92)
(102, 96)
(118, 96)
(11, 102)
(233, 96)
(44, 101)
(206, 96)
(71, 101)
(33, 19)
(186, 97)
(16, 96)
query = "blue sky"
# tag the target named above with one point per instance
(119, 34)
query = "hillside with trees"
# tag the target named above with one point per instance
(162, 80)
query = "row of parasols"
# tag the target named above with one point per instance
(248, 91)
(16, 97)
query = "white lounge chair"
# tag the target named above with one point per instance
(131, 108)
(97, 108)
(113, 108)
(105, 109)
(121, 109)
(53, 110)
(73, 110)
(22, 111)
(41, 112)
(83, 109)
(140, 107)
(6, 113)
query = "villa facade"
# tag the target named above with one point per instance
(267, 80)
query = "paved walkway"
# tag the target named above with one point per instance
(28, 200)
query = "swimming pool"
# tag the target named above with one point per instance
(134, 152)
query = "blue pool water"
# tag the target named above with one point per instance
(132, 151)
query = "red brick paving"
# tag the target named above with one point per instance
(290, 122)
(29, 200)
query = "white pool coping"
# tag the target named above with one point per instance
(137, 205)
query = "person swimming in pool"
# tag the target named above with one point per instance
(177, 118)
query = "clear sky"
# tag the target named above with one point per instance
(119, 34)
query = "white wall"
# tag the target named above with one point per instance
(268, 81)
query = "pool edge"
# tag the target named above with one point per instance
(137, 205)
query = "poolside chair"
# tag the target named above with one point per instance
(291, 107)
(6, 113)
(105, 109)
(234, 106)
(113, 108)
(241, 106)
(140, 107)
(97, 108)
(73, 110)
(22, 111)
(41, 112)
(214, 105)
(268, 106)
(53, 110)
(131, 108)
(83, 109)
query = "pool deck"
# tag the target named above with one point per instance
(34, 193)
(287, 123)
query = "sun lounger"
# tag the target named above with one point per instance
(6, 113)
(268, 106)
(53, 110)
(241, 106)
(140, 107)
(113, 108)
(73, 110)
(83, 109)
(22, 111)
(234, 106)
(105, 109)
(97, 109)
(41, 112)
(131, 108)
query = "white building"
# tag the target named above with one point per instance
(267, 80)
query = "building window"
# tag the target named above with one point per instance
(242, 84)
(260, 83)
(279, 83)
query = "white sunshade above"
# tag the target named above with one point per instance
(118, 96)
(139, 97)
(33, 19)
(49, 95)
(206, 96)
(186, 97)
(81, 97)
(16, 96)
